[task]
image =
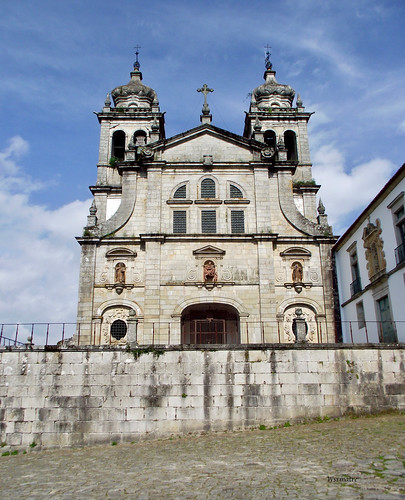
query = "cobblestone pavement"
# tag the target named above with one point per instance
(349, 458)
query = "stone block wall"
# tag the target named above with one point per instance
(96, 395)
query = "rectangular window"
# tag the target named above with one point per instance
(179, 221)
(208, 221)
(237, 221)
(397, 208)
(361, 319)
(355, 285)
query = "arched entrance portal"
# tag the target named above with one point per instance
(210, 324)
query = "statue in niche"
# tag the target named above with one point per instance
(210, 273)
(297, 274)
(120, 270)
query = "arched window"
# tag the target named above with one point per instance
(118, 329)
(180, 192)
(118, 145)
(290, 143)
(140, 138)
(235, 192)
(207, 188)
(270, 138)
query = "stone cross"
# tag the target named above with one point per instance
(205, 90)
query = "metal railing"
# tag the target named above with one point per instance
(58, 335)
(355, 287)
(400, 253)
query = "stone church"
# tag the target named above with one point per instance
(207, 237)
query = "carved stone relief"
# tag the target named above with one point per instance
(373, 243)
(192, 275)
(104, 275)
(109, 317)
(309, 316)
(226, 274)
(281, 275)
(313, 275)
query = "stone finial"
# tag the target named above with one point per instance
(299, 101)
(155, 125)
(107, 103)
(92, 218)
(257, 126)
(282, 151)
(322, 217)
(93, 208)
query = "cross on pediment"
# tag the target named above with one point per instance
(205, 90)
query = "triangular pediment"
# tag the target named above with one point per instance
(209, 250)
(207, 140)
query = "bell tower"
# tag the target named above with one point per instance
(132, 121)
(274, 120)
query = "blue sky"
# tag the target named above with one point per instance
(58, 60)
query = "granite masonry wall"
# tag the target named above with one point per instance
(79, 396)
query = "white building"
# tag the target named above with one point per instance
(370, 266)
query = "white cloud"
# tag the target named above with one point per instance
(344, 193)
(39, 257)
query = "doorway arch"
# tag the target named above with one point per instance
(210, 323)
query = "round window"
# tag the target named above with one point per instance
(118, 329)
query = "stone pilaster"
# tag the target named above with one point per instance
(262, 192)
(152, 291)
(86, 291)
(267, 296)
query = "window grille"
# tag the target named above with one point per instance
(207, 188)
(208, 221)
(118, 329)
(179, 221)
(237, 221)
(180, 192)
(235, 192)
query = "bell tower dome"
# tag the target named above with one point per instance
(274, 120)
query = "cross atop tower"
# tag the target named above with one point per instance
(267, 62)
(136, 63)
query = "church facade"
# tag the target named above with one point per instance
(207, 237)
